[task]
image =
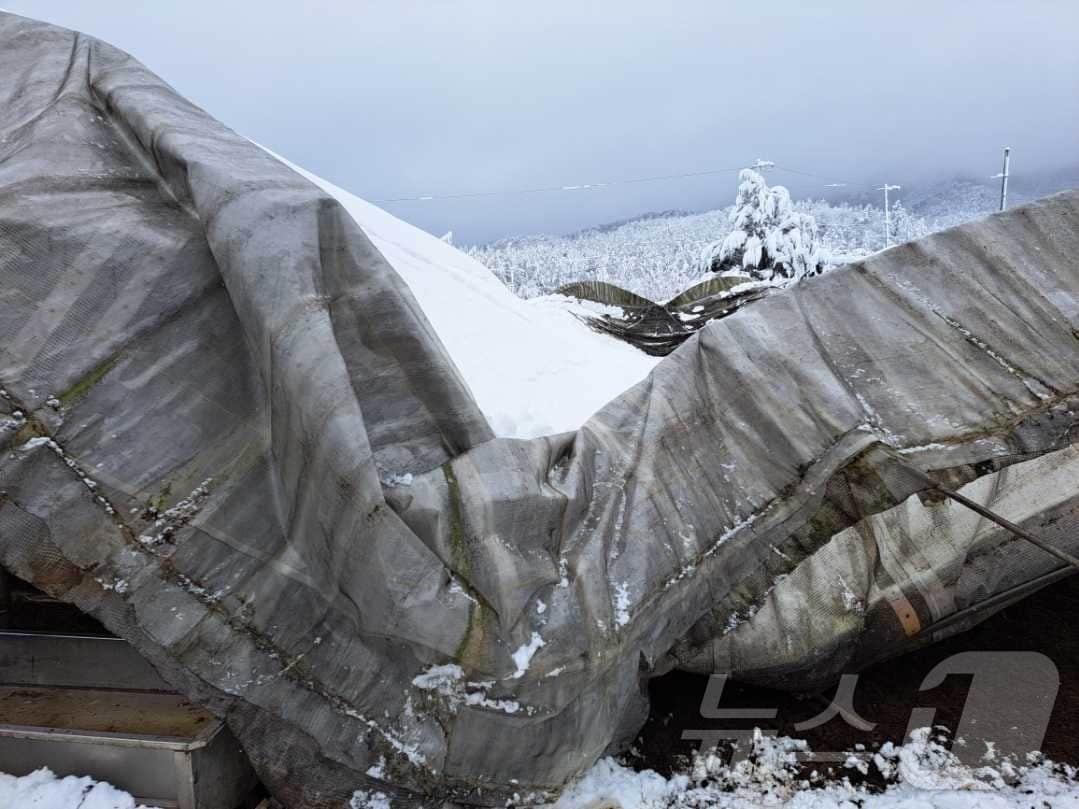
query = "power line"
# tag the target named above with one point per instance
(550, 188)
(830, 182)
(759, 165)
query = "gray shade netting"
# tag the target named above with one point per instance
(208, 370)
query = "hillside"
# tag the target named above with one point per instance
(657, 254)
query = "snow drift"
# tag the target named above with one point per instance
(533, 367)
(921, 773)
(43, 790)
(232, 432)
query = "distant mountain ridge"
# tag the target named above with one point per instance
(941, 199)
(965, 193)
(657, 254)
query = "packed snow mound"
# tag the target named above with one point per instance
(921, 774)
(533, 366)
(42, 789)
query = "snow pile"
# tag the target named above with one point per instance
(533, 366)
(43, 790)
(919, 775)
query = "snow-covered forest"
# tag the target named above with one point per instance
(659, 255)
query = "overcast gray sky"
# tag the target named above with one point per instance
(405, 98)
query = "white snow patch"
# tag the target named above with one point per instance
(363, 799)
(42, 789)
(13, 422)
(168, 522)
(438, 677)
(728, 532)
(71, 463)
(377, 770)
(39, 441)
(397, 480)
(621, 604)
(533, 367)
(922, 448)
(523, 656)
(921, 774)
(457, 589)
(852, 602)
(448, 680)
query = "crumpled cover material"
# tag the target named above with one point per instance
(900, 578)
(213, 387)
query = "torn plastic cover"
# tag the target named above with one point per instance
(208, 372)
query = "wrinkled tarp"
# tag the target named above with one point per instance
(177, 307)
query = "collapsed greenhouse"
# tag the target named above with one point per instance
(234, 432)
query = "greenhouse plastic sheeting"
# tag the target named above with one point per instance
(215, 391)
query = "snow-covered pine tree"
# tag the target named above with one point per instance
(770, 240)
(905, 226)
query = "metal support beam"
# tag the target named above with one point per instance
(989, 515)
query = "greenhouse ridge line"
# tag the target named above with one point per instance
(606, 184)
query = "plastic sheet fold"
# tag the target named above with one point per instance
(213, 387)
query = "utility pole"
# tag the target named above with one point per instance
(888, 212)
(1003, 177)
(761, 165)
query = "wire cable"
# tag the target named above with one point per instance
(830, 180)
(612, 183)
(550, 188)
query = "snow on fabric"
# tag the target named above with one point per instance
(42, 789)
(239, 325)
(533, 366)
(922, 774)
